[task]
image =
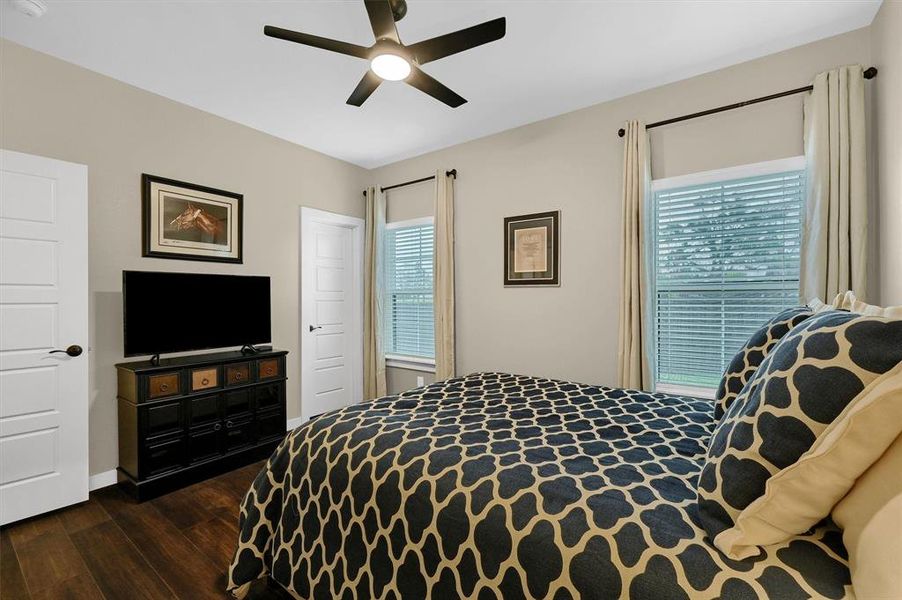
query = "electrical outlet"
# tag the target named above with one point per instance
(420, 382)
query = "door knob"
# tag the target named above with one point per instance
(73, 350)
(315, 327)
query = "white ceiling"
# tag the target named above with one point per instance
(557, 56)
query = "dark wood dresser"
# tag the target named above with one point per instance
(192, 417)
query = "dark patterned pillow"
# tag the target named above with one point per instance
(752, 353)
(806, 381)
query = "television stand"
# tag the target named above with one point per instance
(188, 418)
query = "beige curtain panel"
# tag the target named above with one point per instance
(373, 287)
(443, 279)
(834, 232)
(634, 343)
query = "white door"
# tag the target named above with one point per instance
(331, 311)
(43, 308)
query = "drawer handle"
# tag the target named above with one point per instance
(229, 424)
(217, 427)
(164, 387)
(158, 453)
(204, 381)
(238, 376)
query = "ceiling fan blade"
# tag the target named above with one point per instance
(317, 42)
(458, 41)
(382, 20)
(364, 89)
(433, 87)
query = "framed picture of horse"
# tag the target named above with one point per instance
(186, 221)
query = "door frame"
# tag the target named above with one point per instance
(309, 216)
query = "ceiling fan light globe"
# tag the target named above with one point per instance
(390, 67)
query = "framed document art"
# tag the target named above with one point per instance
(190, 222)
(531, 244)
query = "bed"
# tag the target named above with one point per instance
(505, 486)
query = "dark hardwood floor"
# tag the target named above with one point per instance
(176, 546)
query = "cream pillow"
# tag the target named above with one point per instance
(852, 304)
(871, 518)
(799, 496)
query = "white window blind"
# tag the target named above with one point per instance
(726, 259)
(409, 329)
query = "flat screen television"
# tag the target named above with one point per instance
(178, 312)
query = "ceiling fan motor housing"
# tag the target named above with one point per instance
(398, 8)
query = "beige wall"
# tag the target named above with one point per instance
(52, 108)
(573, 163)
(886, 32)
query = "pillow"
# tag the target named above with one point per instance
(802, 386)
(749, 357)
(800, 496)
(871, 518)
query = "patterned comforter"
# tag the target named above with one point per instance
(505, 486)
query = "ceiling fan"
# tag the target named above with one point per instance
(391, 60)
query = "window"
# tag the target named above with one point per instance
(725, 259)
(409, 329)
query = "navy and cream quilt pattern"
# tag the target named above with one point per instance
(505, 486)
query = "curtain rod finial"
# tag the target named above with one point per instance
(870, 72)
(621, 132)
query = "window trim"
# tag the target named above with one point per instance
(769, 167)
(764, 168)
(405, 361)
(695, 391)
(417, 222)
(414, 363)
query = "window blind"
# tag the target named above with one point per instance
(409, 328)
(726, 259)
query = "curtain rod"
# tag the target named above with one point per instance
(451, 173)
(869, 73)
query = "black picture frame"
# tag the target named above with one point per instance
(150, 234)
(533, 225)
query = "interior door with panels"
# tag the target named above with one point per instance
(331, 306)
(43, 335)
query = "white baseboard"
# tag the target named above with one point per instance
(102, 480)
(294, 423)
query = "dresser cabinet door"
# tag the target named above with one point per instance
(203, 410)
(238, 402)
(204, 443)
(163, 456)
(270, 426)
(239, 434)
(161, 419)
(269, 396)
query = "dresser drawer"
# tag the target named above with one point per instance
(268, 368)
(164, 456)
(165, 384)
(238, 373)
(163, 418)
(204, 409)
(204, 379)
